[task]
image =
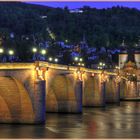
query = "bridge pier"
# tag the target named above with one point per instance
(131, 90)
(93, 91)
(112, 90)
(79, 92)
(123, 89)
(39, 101)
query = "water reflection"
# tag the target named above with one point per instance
(111, 122)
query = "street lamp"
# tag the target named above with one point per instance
(83, 64)
(11, 52)
(50, 59)
(55, 60)
(43, 51)
(34, 50)
(81, 59)
(100, 63)
(76, 58)
(1, 50)
(79, 64)
(66, 41)
(103, 64)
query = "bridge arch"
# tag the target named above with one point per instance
(15, 103)
(61, 94)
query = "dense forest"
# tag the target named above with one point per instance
(25, 25)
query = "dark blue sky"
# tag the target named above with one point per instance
(73, 5)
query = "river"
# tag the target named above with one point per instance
(112, 121)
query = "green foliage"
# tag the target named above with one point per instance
(104, 27)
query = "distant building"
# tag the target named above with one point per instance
(76, 11)
(129, 55)
(129, 61)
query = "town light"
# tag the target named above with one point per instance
(55, 60)
(103, 64)
(100, 63)
(66, 41)
(11, 52)
(1, 50)
(81, 59)
(76, 58)
(83, 64)
(34, 50)
(117, 67)
(50, 59)
(79, 64)
(43, 52)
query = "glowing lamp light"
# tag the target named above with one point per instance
(103, 64)
(76, 58)
(55, 60)
(1, 50)
(78, 72)
(100, 63)
(79, 64)
(81, 59)
(43, 52)
(34, 50)
(11, 52)
(117, 67)
(37, 68)
(50, 59)
(66, 41)
(83, 64)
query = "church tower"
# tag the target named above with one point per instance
(123, 56)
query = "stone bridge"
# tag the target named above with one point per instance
(29, 90)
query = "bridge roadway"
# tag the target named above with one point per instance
(29, 90)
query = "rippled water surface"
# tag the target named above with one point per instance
(111, 122)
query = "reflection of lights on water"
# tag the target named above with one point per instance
(129, 109)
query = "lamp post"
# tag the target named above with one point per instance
(1, 52)
(51, 59)
(79, 61)
(56, 60)
(43, 51)
(11, 54)
(76, 59)
(101, 65)
(34, 50)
